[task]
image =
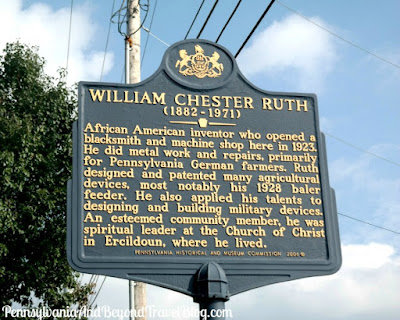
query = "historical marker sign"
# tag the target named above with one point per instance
(196, 165)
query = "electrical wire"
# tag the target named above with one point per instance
(122, 74)
(94, 284)
(249, 36)
(362, 150)
(148, 34)
(229, 20)
(91, 279)
(255, 27)
(69, 34)
(368, 223)
(154, 36)
(120, 20)
(339, 37)
(98, 292)
(194, 19)
(145, 16)
(208, 18)
(108, 38)
(341, 140)
(101, 75)
(123, 17)
(251, 33)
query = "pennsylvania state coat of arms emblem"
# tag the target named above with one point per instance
(198, 64)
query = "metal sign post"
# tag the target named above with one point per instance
(212, 291)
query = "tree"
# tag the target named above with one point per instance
(36, 116)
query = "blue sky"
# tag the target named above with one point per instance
(358, 103)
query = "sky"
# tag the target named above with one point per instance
(358, 106)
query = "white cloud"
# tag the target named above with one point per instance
(42, 26)
(360, 257)
(365, 286)
(291, 46)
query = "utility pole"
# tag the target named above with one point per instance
(134, 40)
(137, 291)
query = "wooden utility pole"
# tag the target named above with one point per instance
(137, 291)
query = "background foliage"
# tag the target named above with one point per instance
(36, 116)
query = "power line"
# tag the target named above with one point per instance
(362, 150)
(101, 286)
(368, 223)
(194, 19)
(101, 75)
(91, 279)
(340, 37)
(94, 284)
(343, 141)
(122, 74)
(251, 33)
(154, 36)
(229, 20)
(69, 33)
(255, 27)
(123, 16)
(108, 37)
(208, 17)
(148, 34)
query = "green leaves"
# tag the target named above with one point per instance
(36, 115)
